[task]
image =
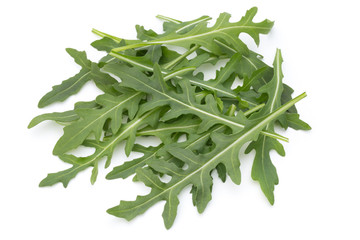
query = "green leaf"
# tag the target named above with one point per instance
(143, 34)
(204, 36)
(105, 44)
(93, 120)
(72, 85)
(295, 122)
(197, 173)
(63, 117)
(263, 170)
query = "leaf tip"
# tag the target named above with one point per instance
(110, 211)
(47, 182)
(42, 103)
(113, 211)
(31, 124)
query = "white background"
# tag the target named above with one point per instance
(318, 195)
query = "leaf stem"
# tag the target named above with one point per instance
(102, 34)
(168, 19)
(171, 64)
(179, 72)
(254, 109)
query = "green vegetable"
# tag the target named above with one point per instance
(159, 95)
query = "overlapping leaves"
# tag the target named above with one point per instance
(159, 95)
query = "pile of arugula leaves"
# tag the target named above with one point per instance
(163, 93)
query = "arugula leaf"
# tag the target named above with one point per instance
(204, 36)
(295, 122)
(263, 170)
(93, 120)
(63, 117)
(89, 71)
(72, 85)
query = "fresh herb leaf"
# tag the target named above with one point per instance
(93, 120)
(204, 36)
(72, 85)
(263, 169)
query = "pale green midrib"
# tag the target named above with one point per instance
(167, 128)
(241, 138)
(165, 18)
(178, 72)
(101, 116)
(278, 81)
(197, 83)
(154, 183)
(111, 59)
(84, 64)
(263, 165)
(203, 34)
(254, 109)
(102, 34)
(184, 38)
(193, 23)
(99, 155)
(202, 111)
(65, 116)
(174, 62)
(71, 115)
(272, 106)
